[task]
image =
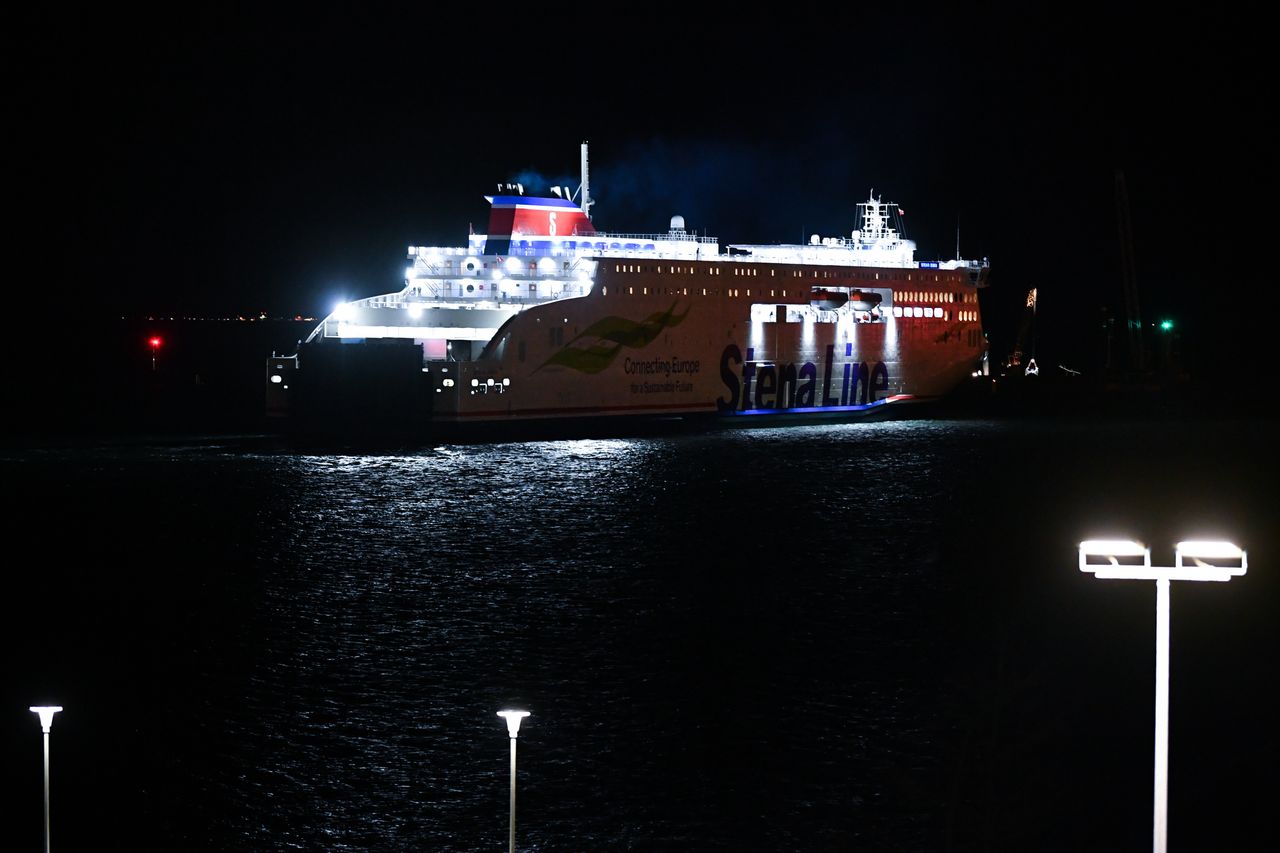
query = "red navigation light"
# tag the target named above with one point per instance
(155, 342)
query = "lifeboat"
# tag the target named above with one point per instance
(827, 300)
(865, 300)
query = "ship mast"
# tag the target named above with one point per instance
(586, 194)
(1133, 318)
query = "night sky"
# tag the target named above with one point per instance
(235, 160)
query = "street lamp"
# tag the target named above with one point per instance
(513, 719)
(46, 713)
(1126, 560)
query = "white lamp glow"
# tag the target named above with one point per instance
(1121, 559)
(513, 719)
(1224, 552)
(46, 713)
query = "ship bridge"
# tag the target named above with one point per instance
(877, 241)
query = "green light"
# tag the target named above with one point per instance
(1166, 325)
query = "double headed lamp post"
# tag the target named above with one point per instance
(1194, 561)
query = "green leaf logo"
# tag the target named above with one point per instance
(598, 345)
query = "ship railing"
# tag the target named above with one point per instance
(446, 293)
(484, 263)
(666, 236)
(445, 269)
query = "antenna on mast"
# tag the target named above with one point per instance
(586, 195)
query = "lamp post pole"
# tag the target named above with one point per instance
(46, 713)
(1127, 560)
(513, 719)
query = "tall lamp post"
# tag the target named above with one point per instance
(46, 713)
(1126, 560)
(513, 719)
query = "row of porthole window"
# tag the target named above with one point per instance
(669, 291)
(670, 268)
(935, 313)
(930, 296)
(776, 294)
(907, 311)
(715, 270)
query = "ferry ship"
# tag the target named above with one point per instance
(544, 324)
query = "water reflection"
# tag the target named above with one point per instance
(792, 639)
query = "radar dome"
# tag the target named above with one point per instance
(677, 223)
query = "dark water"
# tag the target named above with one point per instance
(848, 638)
(859, 637)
